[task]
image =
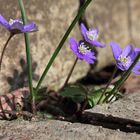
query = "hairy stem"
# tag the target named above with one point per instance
(4, 48)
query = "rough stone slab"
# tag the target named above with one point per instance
(58, 130)
(128, 107)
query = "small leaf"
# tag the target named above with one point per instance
(94, 95)
(95, 91)
(91, 103)
(76, 93)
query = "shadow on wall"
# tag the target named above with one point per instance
(20, 79)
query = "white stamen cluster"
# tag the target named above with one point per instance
(92, 34)
(125, 60)
(11, 22)
(83, 49)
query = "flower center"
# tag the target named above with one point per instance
(11, 22)
(83, 49)
(125, 60)
(92, 34)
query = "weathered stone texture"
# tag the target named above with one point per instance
(127, 107)
(53, 18)
(117, 20)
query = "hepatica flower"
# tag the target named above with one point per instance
(124, 58)
(91, 36)
(16, 26)
(82, 51)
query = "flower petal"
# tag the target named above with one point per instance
(91, 55)
(127, 50)
(17, 26)
(4, 22)
(116, 50)
(137, 49)
(74, 48)
(83, 30)
(121, 66)
(98, 44)
(73, 45)
(79, 55)
(30, 28)
(136, 69)
(89, 60)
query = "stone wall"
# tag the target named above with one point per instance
(117, 20)
(53, 18)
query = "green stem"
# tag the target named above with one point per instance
(116, 91)
(123, 78)
(70, 73)
(28, 57)
(111, 78)
(81, 11)
(4, 48)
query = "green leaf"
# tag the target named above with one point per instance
(94, 96)
(91, 102)
(76, 93)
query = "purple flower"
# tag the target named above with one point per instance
(16, 26)
(124, 58)
(91, 36)
(82, 51)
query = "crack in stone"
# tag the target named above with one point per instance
(111, 122)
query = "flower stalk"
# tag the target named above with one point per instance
(4, 48)
(123, 78)
(59, 47)
(111, 78)
(70, 73)
(28, 57)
